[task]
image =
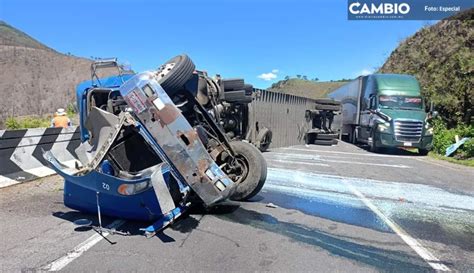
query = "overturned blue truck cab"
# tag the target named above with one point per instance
(149, 149)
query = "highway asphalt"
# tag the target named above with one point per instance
(323, 209)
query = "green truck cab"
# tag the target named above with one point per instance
(385, 110)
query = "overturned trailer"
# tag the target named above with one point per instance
(150, 149)
(228, 101)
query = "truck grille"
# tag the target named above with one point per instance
(407, 130)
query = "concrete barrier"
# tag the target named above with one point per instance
(21, 152)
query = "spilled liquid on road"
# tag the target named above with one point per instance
(447, 216)
(450, 215)
(382, 259)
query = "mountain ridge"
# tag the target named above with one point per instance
(36, 79)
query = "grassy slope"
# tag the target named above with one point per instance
(303, 88)
(465, 162)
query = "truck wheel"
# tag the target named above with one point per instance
(309, 139)
(253, 171)
(327, 142)
(327, 136)
(173, 74)
(264, 139)
(248, 89)
(423, 151)
(373, 146)
(328, 107)
(233, 84)
(353, 138)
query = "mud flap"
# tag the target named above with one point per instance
(162, 192)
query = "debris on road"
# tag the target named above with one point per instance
(271, 205)
(452, 148)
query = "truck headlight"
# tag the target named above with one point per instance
(131, 189)
(383, 127)
(429, 131)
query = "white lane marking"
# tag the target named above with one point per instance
(61, 262)
(337, 161)
(370, 164)
(303, 163)
(424, 253)
(5, 182)
(347, 153)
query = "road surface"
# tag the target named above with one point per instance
(323, 209)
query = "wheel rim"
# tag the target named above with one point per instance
(265, 141)
(164, 70)
(240, 171)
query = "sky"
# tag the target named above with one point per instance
(260, 40)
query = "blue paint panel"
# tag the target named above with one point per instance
(113, 82)
(80, 194)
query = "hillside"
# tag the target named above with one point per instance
(35, 79)
(441, 56)
(10, 36)
(305, 88)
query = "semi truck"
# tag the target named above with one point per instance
(384, 111)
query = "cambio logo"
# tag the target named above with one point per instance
(382, 8)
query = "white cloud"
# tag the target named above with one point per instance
(364, 72)
(269, 76)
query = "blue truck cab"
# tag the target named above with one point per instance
(132, 166)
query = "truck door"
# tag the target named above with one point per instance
(368, 106)
(366, 119)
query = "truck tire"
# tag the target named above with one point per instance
(352, 137)
(326, 136)
(327, 107)
(173, 74)
(248, 89)
(233, 84)
(423, 151)
(256, 174)
(327, 101)
(264, 139)
(373, 146)
(309, 139)
(327, 142)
